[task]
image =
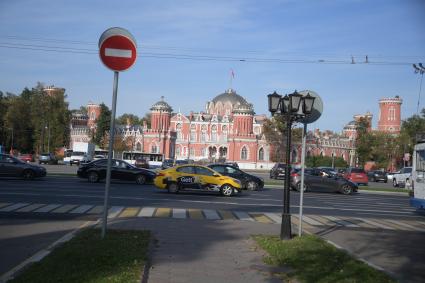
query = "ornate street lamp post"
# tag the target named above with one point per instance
(289, 106)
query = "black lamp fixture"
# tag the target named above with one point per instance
(289, 106)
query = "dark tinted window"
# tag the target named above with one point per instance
(407, 170)
(281, 165)
(357, 170)
(219, 169)
(204, 171)
(103, 162)
(186, 169)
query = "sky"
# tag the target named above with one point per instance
(188, 49)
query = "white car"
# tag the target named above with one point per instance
(403, 178)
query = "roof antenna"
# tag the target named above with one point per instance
(367, 60)
(352, 60)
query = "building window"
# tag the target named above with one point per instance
(92, 115)
(244, 153)
(214, 133)
(204, 152)
(391, 113)
(178, 151)
(203, 137)
(179, 132)
(261, 154)
(193, 136)
(192, 152)
(139, 146)
(154, 149)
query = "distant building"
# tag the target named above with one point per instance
(389, 120)
(52, 90)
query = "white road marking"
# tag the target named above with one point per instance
(48, 208)
(121, 53)
(274, 216)
(312, 221)
(114, 211)
(177, 213)
(340, 221)
(13, 207)
(377, 224)
(146, 212)
(243, 216)
(402, 224)
(82, 209)
(211, 214)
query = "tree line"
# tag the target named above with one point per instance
(383, 149)
(36, 122)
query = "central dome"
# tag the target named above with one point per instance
(226, 103)
(230, 96)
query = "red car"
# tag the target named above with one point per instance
(356, 175)
(26, 157)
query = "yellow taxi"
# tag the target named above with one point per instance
(196, 178)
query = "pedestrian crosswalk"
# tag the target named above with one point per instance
(309, 220)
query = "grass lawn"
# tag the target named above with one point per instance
(313, 260)
(119, 257)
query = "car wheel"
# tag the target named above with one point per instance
(140, 179)
(28, 175)
(251, 186)
(173, 188)
(394, 183)
(346, 189)
(93, 177)
(298, 187)
(226, 190)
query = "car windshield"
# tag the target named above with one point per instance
(78, 153)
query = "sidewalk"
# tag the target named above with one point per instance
(203, 251)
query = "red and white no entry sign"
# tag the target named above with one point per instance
(117, 49)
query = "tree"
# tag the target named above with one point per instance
(316, 161)
(275, 131)
(103, 125)
(126, 118)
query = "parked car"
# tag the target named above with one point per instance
(196, 178)
(316, 179)
(121, 170)
(26, 157)
(167, 163)
(403, 178)
(77, 157)
(328, 170)
(141, 163)
(234, 164)
(356, 175)
(248, 181)
(377, 176)
(13, 167)
(47, 158)
(278, 171)
(390, 176)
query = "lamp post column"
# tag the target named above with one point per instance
(285, 233)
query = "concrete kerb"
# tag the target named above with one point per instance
(38, 256)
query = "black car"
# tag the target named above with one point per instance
(320, 180)
(121, 170)
(248, 181)
(278, 171)
(13, 167)
(377, 176)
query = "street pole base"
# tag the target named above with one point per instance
(285, 228)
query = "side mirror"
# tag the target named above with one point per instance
(216, 175)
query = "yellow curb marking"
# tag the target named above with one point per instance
(195, 214)
(129, 212)
(163, 212)
(226, 215)
(261, 218)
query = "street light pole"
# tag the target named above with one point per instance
(285, 228)
(420, 70)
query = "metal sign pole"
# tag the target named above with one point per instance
(110, 150)
(300, 226)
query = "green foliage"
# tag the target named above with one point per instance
(119, 257)
(130, 119)
(103, 125)
(310, 259)
(35, 119)
(275, 132)
(316, 161)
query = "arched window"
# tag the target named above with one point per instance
(154, 148)
(139, 146)
(192, 152)
(203, 133)
(261, 154)
(224, 133)
(179, 131)
(92, 115)
(214, 133)
(244, 153)
(178, 152)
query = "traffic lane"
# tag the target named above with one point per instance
(21, 238)
(58, 190)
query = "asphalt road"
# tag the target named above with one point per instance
(47, 208)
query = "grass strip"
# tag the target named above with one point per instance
(119, 257)
(311, 259)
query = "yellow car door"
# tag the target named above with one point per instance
(186, 177)
(207, 177)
